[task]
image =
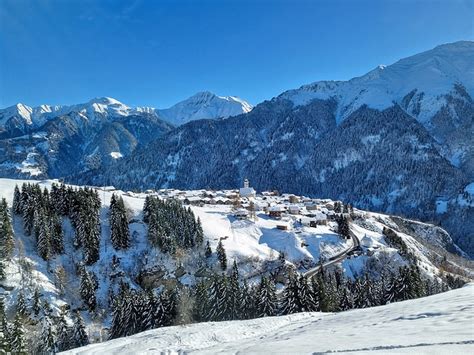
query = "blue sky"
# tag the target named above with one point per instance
(156, 53)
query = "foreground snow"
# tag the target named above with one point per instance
(437, 324)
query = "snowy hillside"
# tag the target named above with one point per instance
(249, 246)
(438, 324)
(204, 105)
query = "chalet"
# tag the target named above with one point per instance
(193, 200)
(241, 214)
(294, 209)
(276, 211)
(330, 206)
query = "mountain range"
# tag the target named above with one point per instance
(397, 139)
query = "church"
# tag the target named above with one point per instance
(247, 191)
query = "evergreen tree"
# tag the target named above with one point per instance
(16, 206)
(17, 340)
(43, 241)
(218, 308)
(63, 332)
(247, 302)
(290, 301)
(79, 335)
(117, 328)
(315, 294)
(56, 235)
(88, 288)
(21, 307)
(233, 298)
(208, 251)
(47, 343)
(307, 302)
(4, 330)
(3, 274)
(199, 237)
(200, 305)
(7, 242)
(267, 304)
(36, 307)
(343, 227)
(119, 232)
(221, 255)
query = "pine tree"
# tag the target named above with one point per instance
(88, 288)
(43, 242)
(199, 237)
(343, 227)
(56, 234)
(36, 307)
(307, 302)
(221, 255)
(21, 307)
(63, 332)
(291, 302)
(4, 330)
(247, 302)
(7, 242)
(218, 308)
(200, 304)
(117, 328)
(79, 335)
(17, 340)
(315, 294)
(48, 337)
(233, 299)
(267, 304)
(208, 251)
(16, 206)
(119, 232)
(3, 273)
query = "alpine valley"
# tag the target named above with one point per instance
(397, 139)
(118, 220)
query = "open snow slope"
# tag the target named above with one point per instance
(439, 324)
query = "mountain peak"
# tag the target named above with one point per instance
(204, 104)
(105, 101)
(432, 73)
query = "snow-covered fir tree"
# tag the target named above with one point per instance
(119, 232)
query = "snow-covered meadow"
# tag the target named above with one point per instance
(439, 324)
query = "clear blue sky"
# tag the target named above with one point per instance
(156, 53)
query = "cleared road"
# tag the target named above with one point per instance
(336, 258)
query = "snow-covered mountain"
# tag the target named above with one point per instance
(398, 139)
(40, 141)
(418, 83)
(21, 119)
(204, 105)
(440, 324)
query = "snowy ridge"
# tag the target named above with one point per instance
(429, 75)
(201, 105)
(204, 105)
(436, 324)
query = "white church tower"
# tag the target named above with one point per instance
(247, 191)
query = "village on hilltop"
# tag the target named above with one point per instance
(291, 212)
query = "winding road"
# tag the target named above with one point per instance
(335, 258)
